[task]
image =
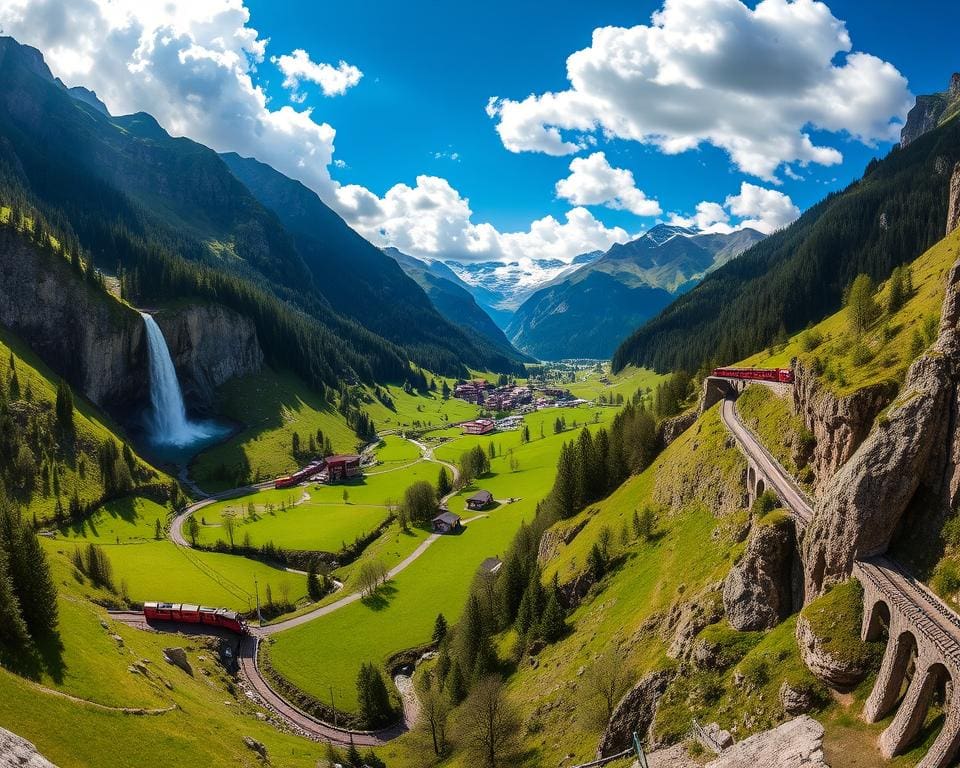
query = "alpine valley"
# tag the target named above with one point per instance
(644, 453)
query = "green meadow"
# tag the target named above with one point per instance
(330, 650)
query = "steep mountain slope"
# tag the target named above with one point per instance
(588, 312)
(456, 304)
(931, 111)
(355, 276)
(157, 207)
(797, 276)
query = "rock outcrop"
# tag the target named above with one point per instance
(838, 424)
(93, 341)
(178, 658)
(634, 712)
(930, 110)
(916, 446)
(838, 673)
(16, 752)
(670, 429)
(796, 701)
(953, 203)
(210, 344)
(758, 590)
(795, 744)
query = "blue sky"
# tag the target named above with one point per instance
(428, 75)
(717, 113)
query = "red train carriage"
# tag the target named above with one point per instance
(288, 481)
(195, 614)
(779, 375)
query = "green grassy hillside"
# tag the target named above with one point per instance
(829, 346)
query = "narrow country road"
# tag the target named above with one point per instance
(248, 660)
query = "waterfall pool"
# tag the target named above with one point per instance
(173, 437)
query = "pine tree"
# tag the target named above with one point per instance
(456, 685)
(353, 756)
(443, 483)
(862, 308)
(313, 583)
(374, 700)
(553, 623)
(565, 485)
(14, 635)
(30, 572)
(64, 408)
(471, 632)
(439, 629)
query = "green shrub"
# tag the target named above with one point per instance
(946, 578)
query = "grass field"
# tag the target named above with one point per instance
(888, 340)
(330, 650)
(588, 385)
(271, 406)
(299, 524)
(159, 570)
(206, 724)
(418, 411)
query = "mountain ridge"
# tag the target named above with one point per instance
(626, 285)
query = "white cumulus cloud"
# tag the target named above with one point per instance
(189, 63)
(749, 81)
(765, 210)
(593, 181)
(333, 80)
(433, 220)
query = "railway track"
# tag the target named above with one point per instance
(928, 614)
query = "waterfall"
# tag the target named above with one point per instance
(167, 420)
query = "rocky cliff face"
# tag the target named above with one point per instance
(953, 205)
(913, 453)
(96, 343)
(930, 111)
(209, 345)
(758, 590)
(838, 424)
(17, 752)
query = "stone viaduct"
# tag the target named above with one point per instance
(923, 635)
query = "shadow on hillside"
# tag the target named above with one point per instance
(44, 656)
(381, 599)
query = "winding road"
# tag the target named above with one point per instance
(250, 671)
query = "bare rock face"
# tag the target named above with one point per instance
(95, 343)
(953, 206)
(758, 590)
(689, 618)
(635, 712)
(795, 701)
(837, 673)
(839, 424)
(795, 744)
(915, 444)
(928, 111)
(670, 429)
(209, 344)
(16, 752)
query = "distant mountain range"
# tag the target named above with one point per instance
(500, 287)
(588, 311)
(454, 300)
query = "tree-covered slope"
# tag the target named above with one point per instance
(356, 277)
(798, 275)
(171, 216)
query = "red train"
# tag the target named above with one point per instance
(779, 375)
(306, 473)
(195, 614)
